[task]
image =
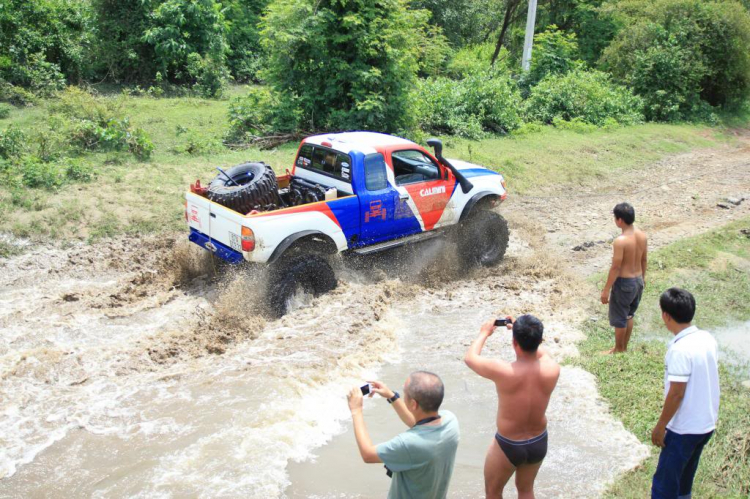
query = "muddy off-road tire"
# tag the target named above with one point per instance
(308, 272)
(482, 239)
(257, 188)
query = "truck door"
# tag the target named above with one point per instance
(429, 185)
(382, 216)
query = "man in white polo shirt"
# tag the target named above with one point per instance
(691, 405)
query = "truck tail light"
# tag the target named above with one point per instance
(186, 215)
(248, 239)
(503, 182)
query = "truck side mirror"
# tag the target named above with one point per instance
(437, 145)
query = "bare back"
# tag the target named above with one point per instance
(633, 245)
(523, 394)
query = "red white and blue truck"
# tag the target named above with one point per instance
(353, 192)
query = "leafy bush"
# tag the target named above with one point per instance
(678, 54)
(12, 142)
(346, 64)
(77, 171)
(196, 143)
(588, 96)
(120, 51)
(463, 21)
(475, 59)
(245, 58)
(208, 74)
(36, 173)
(15, 95)
(554, 52)
(189, 42)
(470, 107)
(261, 112)
(43, 43)
(175, 41)
(4, 111)
(95, 123)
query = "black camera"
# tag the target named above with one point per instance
(503, 322)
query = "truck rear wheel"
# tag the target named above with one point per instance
(308, 273)
(252, 186)
(483, 239)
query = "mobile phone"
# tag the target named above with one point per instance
(503, 322)
(366, 389)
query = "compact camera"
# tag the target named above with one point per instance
(503, 322)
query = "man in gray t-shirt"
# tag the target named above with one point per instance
(420, 460)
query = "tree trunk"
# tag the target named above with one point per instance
(512, 4)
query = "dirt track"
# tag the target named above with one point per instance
(84, 329)
(674, 198)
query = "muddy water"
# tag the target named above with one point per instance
(118, 379)
(587, 447)
(733, 342)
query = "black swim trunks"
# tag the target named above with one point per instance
(520, 452)
(624, 300)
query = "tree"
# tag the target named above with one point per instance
(464, 22)
(43, 43)
(346, 63)
(179, 41)
(682, 54)
(180, 28)
(243, 37)
(121, 53)
(509, 17)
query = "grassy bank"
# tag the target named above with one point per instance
(132, 197)
(715, 267)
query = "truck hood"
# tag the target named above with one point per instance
(470, 169)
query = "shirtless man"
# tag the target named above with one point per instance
(627, 276)
(523, 391)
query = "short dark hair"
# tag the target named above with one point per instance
(528, 331)
(625, 212)
(427, 389)
(678, 304)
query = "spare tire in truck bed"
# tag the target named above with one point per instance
(253, 187)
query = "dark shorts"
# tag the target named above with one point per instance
(520, 452)
(624, 300)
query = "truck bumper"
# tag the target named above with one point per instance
(221, 250)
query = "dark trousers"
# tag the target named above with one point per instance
(678, 463)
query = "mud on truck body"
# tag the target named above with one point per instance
(354, 192)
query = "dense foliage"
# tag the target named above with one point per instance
(555, 52)
(443, 66)
(43, 44)
(470, 107)
(682, 54)
(587, 96)
(346, 63)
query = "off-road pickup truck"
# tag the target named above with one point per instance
(354, 192)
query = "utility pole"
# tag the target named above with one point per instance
(529, 40)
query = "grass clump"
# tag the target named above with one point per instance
(714, 268)
(94, 123)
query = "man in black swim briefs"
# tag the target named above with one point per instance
(523, 389)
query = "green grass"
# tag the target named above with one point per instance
(136, 197)
(553, 156)
(714, 267)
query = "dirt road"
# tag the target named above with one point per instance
(134, 370)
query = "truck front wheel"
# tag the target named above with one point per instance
(306, 273)
(483, 239)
